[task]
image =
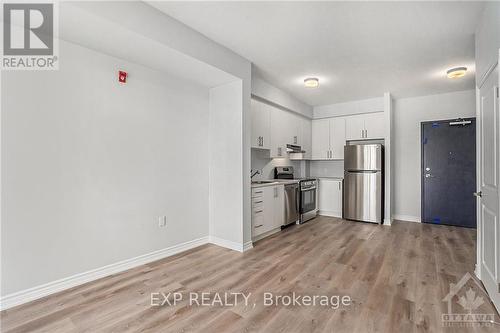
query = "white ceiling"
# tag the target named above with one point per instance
(357, 49)
(121, 42)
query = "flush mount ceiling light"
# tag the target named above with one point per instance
(454, 73)
(311, 82)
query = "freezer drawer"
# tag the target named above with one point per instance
(363, 157)
(363, 196)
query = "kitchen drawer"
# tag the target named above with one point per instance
(258, 205)
(257, 193)
(258, 225)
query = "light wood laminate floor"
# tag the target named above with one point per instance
(396, 276)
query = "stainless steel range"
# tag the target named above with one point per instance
(307, 193)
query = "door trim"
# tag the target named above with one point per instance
(422, 178)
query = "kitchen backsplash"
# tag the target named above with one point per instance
(326, 168)
(262, 162)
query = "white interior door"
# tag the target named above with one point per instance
(489, 225)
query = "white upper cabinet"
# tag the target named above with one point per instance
(328, 138)
(374, 125)
(306, 137)
(355, 127)
(288, 128)
(274, 128)
(261, 125)
(280, 122)
(337, 138)
(365, 126)
(320, 139)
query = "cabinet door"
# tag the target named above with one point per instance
(279, 206)
(337, 138)
(279, 132)
(320, 139)
(261, 119)
(330, 197)
(295, 129)
(375, 125)
(268, 208)
(306, 138)
(354, 127)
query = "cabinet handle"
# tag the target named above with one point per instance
(257, 192)
(339, 186)
(258, 202)
(258, 226)
(295, 140)
(275, 192)
(258, 211)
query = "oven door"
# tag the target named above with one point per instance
(307, 200)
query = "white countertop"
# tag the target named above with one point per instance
(332, 178)
(276, 182)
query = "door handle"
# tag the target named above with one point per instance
(478, 194)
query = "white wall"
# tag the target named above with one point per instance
(487, 39)
(349, 108)
(408, 114)
(226, 164)
(278, 97)
(88, 165)
(173, 34)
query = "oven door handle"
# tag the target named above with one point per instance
(308, 189)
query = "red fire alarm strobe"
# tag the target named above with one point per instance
(122, 77)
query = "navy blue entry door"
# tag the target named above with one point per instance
(449, 172)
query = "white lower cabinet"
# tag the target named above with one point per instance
(330, 197)
(268, 210)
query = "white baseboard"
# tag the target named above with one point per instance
(330, 214)
(387, 222)
(37, 292)
(407, 218)
(247, 246)
(227, 243)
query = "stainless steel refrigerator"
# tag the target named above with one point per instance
(364, 183)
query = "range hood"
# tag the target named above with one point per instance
(295, 152)
(294, 149)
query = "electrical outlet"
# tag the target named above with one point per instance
(162, 221)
